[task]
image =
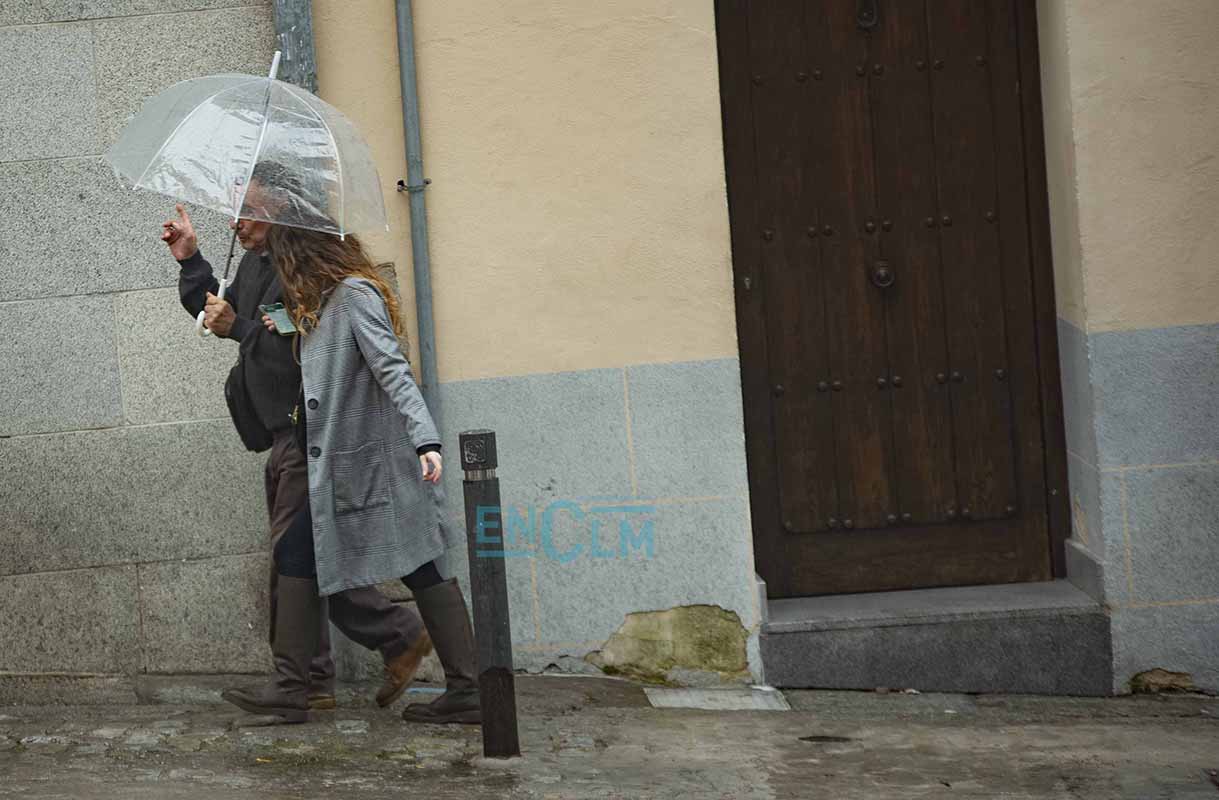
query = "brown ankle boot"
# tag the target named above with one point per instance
(448, 623)
(400, 670)
(296, 636)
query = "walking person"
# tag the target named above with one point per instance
(261, 390)
(374, 466)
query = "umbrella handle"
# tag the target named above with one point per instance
(199, 329)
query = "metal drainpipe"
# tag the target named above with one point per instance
(414, 186)
(294, 27)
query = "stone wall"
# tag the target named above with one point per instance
(1132, 105)
(132, 524)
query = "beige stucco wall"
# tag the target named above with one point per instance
(1060, 160)
(358, 73)
(578, 198)
(1132, 121)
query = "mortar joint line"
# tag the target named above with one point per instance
(1083, 460)
(118, 360)
(139, 606)
(630, 439)
(1198, 601)
(678, 499)
(752, 573)
(1126, 468)
(1129, 549)
(18, 673)
(97, 85)
(597, 502)
(112, 17)
(151, 562)
(125, 426)
(99, 293)
(51, 159)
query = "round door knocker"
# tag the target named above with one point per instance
(883, 276)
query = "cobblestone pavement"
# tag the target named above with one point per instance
(594, 738)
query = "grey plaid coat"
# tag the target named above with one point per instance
(374, 517)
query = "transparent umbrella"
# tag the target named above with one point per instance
(253, 148)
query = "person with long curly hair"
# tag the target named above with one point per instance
(374, 463)
(261, 390)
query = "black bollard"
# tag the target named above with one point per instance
(489, 593)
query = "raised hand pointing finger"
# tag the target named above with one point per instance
(179, 234)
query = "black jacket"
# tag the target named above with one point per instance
(266, 370)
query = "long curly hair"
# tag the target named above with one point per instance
(311, 263)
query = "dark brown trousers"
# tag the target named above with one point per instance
(368, 617)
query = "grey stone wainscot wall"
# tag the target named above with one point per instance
(1142, 412)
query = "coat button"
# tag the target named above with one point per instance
(315, 451)
(312, 405)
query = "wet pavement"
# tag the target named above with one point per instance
(598, 738)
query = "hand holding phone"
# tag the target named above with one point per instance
(280, 318)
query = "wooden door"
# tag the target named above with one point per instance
(887, 299)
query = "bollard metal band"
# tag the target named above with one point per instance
(480, 474)
(478, 450)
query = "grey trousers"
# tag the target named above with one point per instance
(367, 616)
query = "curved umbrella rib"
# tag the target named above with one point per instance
(262, 135)
(338, 160)
(186, 119)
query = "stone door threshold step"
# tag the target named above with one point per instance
(927, 607)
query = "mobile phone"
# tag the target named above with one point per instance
(279, 315)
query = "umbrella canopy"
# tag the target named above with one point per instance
(200, 141)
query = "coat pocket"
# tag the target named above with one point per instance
(360, 479)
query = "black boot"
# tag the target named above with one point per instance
(448, 624)
(297, 627)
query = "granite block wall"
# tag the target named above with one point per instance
(1142, 422)
(1129, 92)
(132, 529)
